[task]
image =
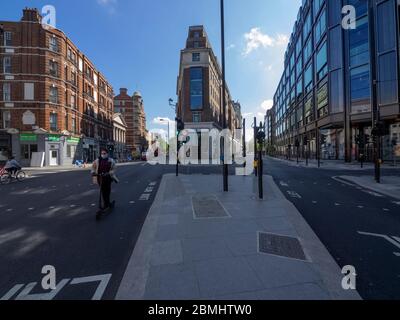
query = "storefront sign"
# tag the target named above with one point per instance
(31, 137)
(53, 138)
(73, 140)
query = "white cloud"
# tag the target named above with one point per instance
(110, 5)
(256, 39)
(231, 46)
(267, 105)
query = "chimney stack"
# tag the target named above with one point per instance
(31, 15)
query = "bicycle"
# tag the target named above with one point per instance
(7, 177)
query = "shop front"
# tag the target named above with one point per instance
(5, 146)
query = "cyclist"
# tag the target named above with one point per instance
(12, 166)
(103, 173)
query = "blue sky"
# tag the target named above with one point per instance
(136, 43)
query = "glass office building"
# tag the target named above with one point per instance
(336, 80)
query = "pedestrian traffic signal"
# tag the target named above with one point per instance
(180, 125)
(323, 139)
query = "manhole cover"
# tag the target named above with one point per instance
(205, 207)
(278, 245)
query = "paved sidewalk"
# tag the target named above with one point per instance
(332, 164)
(390, 185)
(200, 243)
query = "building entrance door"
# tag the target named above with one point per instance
(54, 158)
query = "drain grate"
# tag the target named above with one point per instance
(206, 207)
(278, 245)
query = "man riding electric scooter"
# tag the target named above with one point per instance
(103, 173)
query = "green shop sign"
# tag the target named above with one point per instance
(31, 137)
(73, 140)
(53, 138)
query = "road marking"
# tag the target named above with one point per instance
(283, 184)
(396, 202)
(12, 291)
(392, 239)
(360, 207)
(384, 209)
(149, 190)
(144, 197)
(9, 210)
(104, 279)
(25, 290)
(397, 254)
(337, 179)
(25, 293)
(31, 209)
(314, 202)
(132, 202)
(337, 204)
(294, 194)
(153, 184)
(372, 193)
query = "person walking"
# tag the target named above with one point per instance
(103, 173)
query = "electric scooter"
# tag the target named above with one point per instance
(102, 211)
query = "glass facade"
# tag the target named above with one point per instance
(326, 83)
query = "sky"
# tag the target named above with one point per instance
(136, 44)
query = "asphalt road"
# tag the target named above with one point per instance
(357, 226)
(49, 219)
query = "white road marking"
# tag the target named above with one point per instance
(360, 207)
(337, 179)
(25, 293)
(12, 291)
(396, 202)
(144, 197)
(375, 194)
(337, 204)
(149, 190)
(9, 210)
(294, 194)
(31, 209)
(386, 237)
(104, 279)
(384, 209)
(397, 254)
(132, 202)
(283, 184)
(153, 184)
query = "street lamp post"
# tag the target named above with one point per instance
(225, 165)
(168, 137)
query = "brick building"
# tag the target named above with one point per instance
(132, 109)
(54, 103)
(199, 87)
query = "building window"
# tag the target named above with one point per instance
(307, 50)
(307, 26)
(6, 119)
(73, 125)
(308, 79)
(322, 62)
(53, 68)
(196, 57)
(336, 92)
(7, 39)
(359, 45)
(387, 93)
(27, 150)
(196, 44)
(7, 65)
(360, 89)
(53, 95)
(53, 122)
(299, 45)
(29, 91)
(66, 120)
(71, 150)
(196, 88)
(53, 44)
(196, 117)
(299, 67)
(317, 6)
(299, 88)
(6, 92)
(361, 7)
(320, 27)
(196, 34)
(322, 100)
(309, 110)
(73, 102)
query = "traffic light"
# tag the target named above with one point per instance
(305, 140)
(323, 139)
(297, 143)
(260, 136)
(180, 125)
